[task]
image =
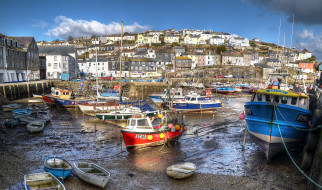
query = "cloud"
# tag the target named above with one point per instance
(40, 24)
(308, 12)
(68, 27)
(313, 42)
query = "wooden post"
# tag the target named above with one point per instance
(28, 89)
(37, 87)
(4, 92)
(42, 85)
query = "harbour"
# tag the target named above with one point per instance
(212, 141)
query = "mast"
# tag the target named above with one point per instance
(96, 78)
(120, 85)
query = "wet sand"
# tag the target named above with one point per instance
(213, 142)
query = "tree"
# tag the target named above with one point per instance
(175, 44)
(221, 49)
(70, 38)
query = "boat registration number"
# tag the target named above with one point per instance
(248, 111)
(140, 136)
(302, 118)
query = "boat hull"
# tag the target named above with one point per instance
(45, 180)
(156, 99)
(93, 109)
(69, 103)
(265, 129)
(58, 172)
(137, 141)
(121, 117)
(196, 107)
(48, 99)
(98, 180)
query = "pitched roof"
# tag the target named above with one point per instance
(24, 40)
(56, 50)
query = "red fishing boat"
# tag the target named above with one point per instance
(141, 132)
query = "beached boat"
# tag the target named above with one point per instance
(224, 89)
(59, 167)
(26, 119)
(48, 99)
(44, 115)
(194, 102)
(180, 171)
(141, 132)
(175, 94)
(42, 181)
(22, 112)
(91, 173)
(10, 107)
(71, 102)
(123, 114)
(11, 122)
(35, 126)
(92, 108)
(274, 113)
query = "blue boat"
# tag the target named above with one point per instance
(224, 89)
(59, 167)
(110, 93)
(175, 93)
(195, 103)
(273, 112)
(25, 112)
(70, 103)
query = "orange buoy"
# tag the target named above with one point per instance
(185, 128)
(177, 127)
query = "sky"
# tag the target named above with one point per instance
(50, 20)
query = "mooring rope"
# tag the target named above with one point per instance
(318, 127)
(315, 183)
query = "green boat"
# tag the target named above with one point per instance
(124, 114)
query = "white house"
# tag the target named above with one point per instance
(217, 40)
(169, 39)
(90, 67)
(60, 59)
(238, 41)
(207, 35)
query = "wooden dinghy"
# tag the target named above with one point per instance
(10, 107)
(91, 173)
(35, 126)
(59, 167)
(42, 181)
(180, 171)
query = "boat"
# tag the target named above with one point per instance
(37, 96)
(10, 107)
(35, 126)
(91, 173)
(22, 112)
(44, 115)
(48, 99)
(180, 171)
(35, 100)
(11, 122)
(91, 108)
(57, 166)
(224, 89)
(70, 103)
(141, 132)
(175, 94)
(122, 115)
(274, 113)
(42, 181)
(27, 119)
(195, 102)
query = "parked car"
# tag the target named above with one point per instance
(229, 76)
(219, 76)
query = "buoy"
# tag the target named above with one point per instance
(162, 135)
(177, 127)
(222, 104)
(185, 128)
(173, 129)
(170, 125)
(150, 137)
(241, 116)
(160, 116)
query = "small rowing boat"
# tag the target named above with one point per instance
(180, 171)
(42, 181)
(10, 107)
(59, 167)
(35, 126)
(91, 173)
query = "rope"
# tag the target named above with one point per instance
(318, 127)
(315, 183)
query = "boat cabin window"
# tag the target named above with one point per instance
(268, 98)
(284, 100)
(193, 99)
(294, 101)
(142, 122)
(177, 93)
(57, 93)
(276, 99)
(259, 97)
(302, 101)
(187, 98)
(132, 122)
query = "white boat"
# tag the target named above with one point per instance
(10, 107)
(35, 126)
(99, 107)
(35, 100)
(180, 171)
(44, 181)
(91, 173)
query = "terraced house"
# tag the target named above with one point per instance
(12, 60)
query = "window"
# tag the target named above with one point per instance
(49, 64)
(55, 58)
(66, 58)
(259, 97)
(293, 101)
(302, 101)
(55, 65)
(142, 122)
(268, 98)
(284, 100)
(253, 97)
